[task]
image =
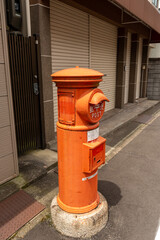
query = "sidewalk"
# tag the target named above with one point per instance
(113, 126)
(129, 182)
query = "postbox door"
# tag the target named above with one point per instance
(66, 105)
(93, 155)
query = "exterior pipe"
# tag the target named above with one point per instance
(28, 18)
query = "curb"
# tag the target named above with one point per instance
(131, 119)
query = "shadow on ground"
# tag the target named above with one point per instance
(110, 191)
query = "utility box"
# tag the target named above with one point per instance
(80, 148)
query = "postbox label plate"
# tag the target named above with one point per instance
(92, 135)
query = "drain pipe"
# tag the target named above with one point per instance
(28, 18)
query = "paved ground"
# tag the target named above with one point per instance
(130, 183)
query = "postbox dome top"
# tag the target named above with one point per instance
(76, 72)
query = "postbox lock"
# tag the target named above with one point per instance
(91, 105)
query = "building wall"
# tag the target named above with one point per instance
(154, 51)
(8, 150)
(41, 10)
(153, 89)
(40, 24)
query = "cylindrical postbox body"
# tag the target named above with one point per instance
(80, 148)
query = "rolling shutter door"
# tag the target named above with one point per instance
(8, 148)
(103, 54)
(69, 40)
(78, 39)
(127, 68)
(139, 68)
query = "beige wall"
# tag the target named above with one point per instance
(8, 150)
(154, 51)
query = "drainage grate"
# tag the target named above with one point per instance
(15, 211)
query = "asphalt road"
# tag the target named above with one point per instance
(130, 183)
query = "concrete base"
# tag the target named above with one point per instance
(80, 225)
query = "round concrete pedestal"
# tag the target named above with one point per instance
(80, 225)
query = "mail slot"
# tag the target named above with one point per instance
(93, 154)
(80, 148)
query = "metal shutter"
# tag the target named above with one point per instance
(139, 68)
(8, 148)
(83, 40)
(128, 59)
(103, 54)
(69, 40)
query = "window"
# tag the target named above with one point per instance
(155, 2)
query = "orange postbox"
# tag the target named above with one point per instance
(80, 148)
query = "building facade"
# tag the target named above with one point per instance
(104, 36)
(110, 36)
(153, 87)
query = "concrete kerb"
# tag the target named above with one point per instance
(80, 225)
